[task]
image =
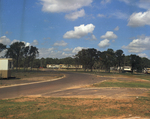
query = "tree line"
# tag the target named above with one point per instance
(26, 56)
(23, 56)
(93, 59)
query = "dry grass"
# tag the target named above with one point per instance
(74, 108)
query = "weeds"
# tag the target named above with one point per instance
(62, 108)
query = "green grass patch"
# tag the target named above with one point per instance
(72, 108)
(19, 74)
(116, 73)
(130, 84)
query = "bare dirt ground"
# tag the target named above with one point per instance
(94, 104)
(87, 91)
(112, 94)
(29, 77)
(84, 91)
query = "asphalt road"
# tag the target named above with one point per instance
(71, 80)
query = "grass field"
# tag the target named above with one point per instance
(79, 108)
(34, 73)
(126, 84)
(113, 74)
(73, 108)
(27, 74)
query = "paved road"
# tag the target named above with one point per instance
(71, 79)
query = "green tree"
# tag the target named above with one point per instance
(16, 51)
(26, 55)
(127, 61)
(87, 57)
(108, 59)
(135, 62)
(36, 63)
(119, 58)
(33, 53)
(2, 47)
(145, 62)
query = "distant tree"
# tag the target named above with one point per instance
(26, 56)
(87, 57)
(68, 60)
(42, 62)
(127, 61)
(33, 53)
(36, 63)
(119, 58)
(145, 62)
(108, 59)
(16, 51)
(2, 47)
(135, 62)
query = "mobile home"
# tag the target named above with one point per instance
(6, 65)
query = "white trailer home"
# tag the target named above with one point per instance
(6, 65)
(127, 68)
(146, 70)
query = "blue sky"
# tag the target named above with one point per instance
(61, 28)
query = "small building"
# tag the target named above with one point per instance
(53, 66)
(127, 68)
(6, 65)
(63, 66)
(146, 70)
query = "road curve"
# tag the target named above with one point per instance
(71, 79)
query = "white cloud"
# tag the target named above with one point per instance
(53, 53)
(75, 15)
(144, 4)
(7, 32)
(104, 43)
(109, 35)
(100, 15)
(138, 45)
(77, 49)
(93, 37)
(60, 43)
(119, 15)
(139, 19)
(117, 28)
(105, 1)
(67, 55)
(126, 1)
(143, 55)
(67, 50)
(63, 5)
(4, 40)
(26, 43)
(34, 43)
(113, 41)
(15, 41)
(79, 31)
(2, 54)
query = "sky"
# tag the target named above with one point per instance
(61, 28)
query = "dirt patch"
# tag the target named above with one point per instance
(92, 108)
(124, 117)
(25, 99)
(30, 77)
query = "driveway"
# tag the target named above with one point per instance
(72, 85)
(70, 80)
